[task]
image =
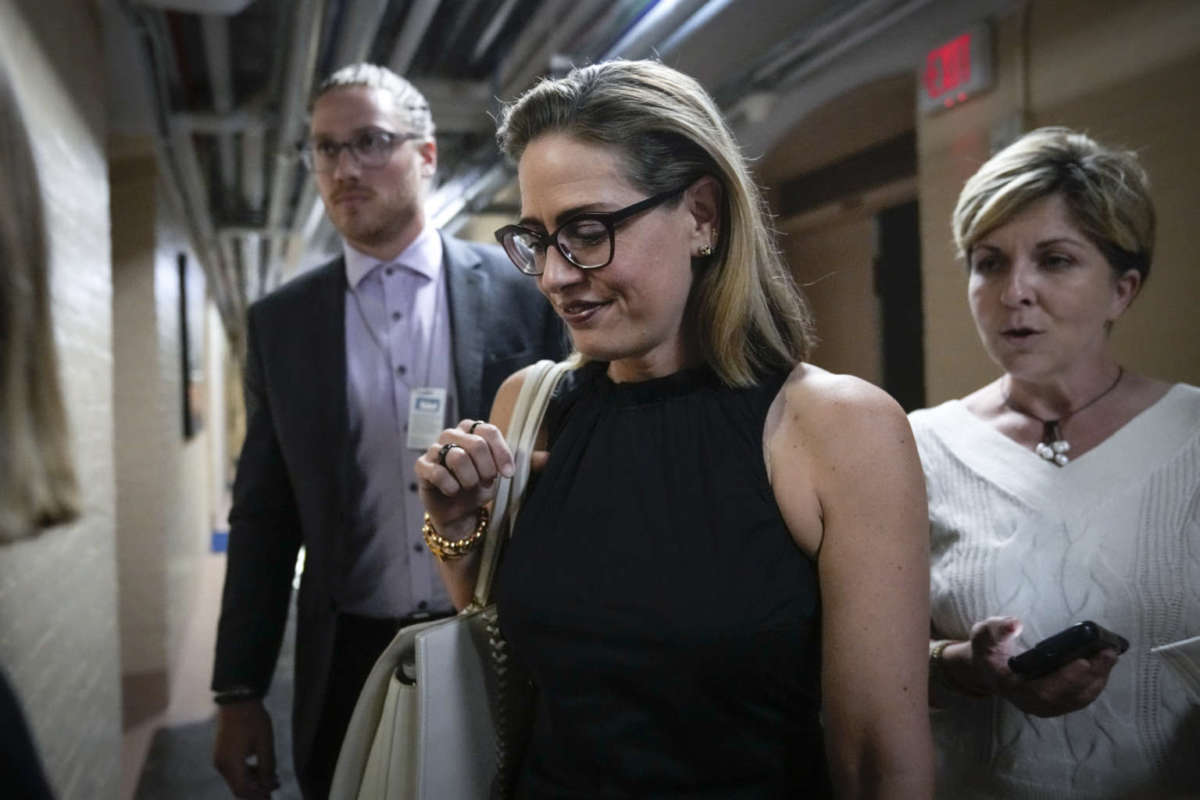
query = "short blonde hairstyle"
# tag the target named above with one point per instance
(37, 479)
(1106, 191)
(750, 315)
(411, 105)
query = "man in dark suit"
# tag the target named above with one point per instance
(351, 371)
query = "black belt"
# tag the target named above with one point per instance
(423, 616)
(395, 623)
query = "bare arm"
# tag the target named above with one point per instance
(846, 474)
(454, 496)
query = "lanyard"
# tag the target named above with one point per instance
(433, 327)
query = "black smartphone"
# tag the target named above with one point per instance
(1077, 641)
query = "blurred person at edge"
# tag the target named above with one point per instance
(725, 547)
(37, 479)
(1029, 536)
(336, 363)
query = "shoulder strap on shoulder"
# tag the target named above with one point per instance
(522, 432)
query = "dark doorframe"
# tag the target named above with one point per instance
(898, 287)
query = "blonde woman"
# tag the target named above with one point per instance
(1065, 490)
(718, 580)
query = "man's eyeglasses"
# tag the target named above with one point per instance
(370, 149)
(586, 240)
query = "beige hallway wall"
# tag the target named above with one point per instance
(58, 613)
(833, 263)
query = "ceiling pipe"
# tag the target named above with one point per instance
(453, 198)
(652, 28)
(359, 27)
(493, 29)
(552, 30)
(459, 106)
(254, 190)
(191, 208)
(215, 31)
(195, 191)
(692, 24)
(220, 74)
(416, 23)
(846, 43)
(253, 194)
(225, 7)
(464, 12)
(236, 121)
(353, 46)
(297, 85)
(847, 25)
(531, 57)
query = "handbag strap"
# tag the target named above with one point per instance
(532, 401)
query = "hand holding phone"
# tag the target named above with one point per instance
(1077, 641)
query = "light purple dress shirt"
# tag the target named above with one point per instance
(397, 339)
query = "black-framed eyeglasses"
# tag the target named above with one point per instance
(586, 240)
(370, 149)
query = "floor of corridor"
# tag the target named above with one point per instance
(169, 757)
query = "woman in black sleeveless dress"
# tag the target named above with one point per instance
(719, 578)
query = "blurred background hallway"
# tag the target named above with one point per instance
(165, 134)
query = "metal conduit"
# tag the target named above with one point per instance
(181, 187)
(297, 85)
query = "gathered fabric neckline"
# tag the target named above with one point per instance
(653, 390)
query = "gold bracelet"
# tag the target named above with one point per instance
(939, 673)
(447, 549)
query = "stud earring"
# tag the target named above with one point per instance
(706, 250)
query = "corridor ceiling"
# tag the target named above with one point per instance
(220, 88)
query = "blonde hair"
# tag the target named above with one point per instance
(411, 105)
(37, 479)
(1106, 191)
(750, 315)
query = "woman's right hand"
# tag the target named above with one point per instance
(454, 487)
(980, 665)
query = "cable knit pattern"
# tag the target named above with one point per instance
(1113, 537)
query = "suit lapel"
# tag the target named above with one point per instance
(330, 418)
(466, 288)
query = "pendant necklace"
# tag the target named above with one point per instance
(1054, 447)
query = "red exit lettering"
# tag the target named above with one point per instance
(948, 66)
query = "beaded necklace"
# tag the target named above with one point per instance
(1054, 446)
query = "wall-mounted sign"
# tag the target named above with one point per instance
(956, 70)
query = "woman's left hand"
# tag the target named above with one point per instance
(1069, 688)
(981, 665)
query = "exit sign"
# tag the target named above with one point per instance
(956, 70)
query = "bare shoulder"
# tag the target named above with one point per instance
(831, 411)
(506, 398)
(828, 436)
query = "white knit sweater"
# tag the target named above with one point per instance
(1113, 537)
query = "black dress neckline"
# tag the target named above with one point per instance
(652, 390)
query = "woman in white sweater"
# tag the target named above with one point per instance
(1067, 489)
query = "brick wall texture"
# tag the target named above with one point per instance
(58, 616)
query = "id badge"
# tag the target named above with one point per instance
(426, 416)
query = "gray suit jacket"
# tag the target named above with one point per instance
(293, 472)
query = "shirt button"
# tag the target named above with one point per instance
(419, 548)
(422, 605)
(388, 271)
(412, 487)
(396, 315)
(400, 370)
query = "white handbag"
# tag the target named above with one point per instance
(435, 719)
